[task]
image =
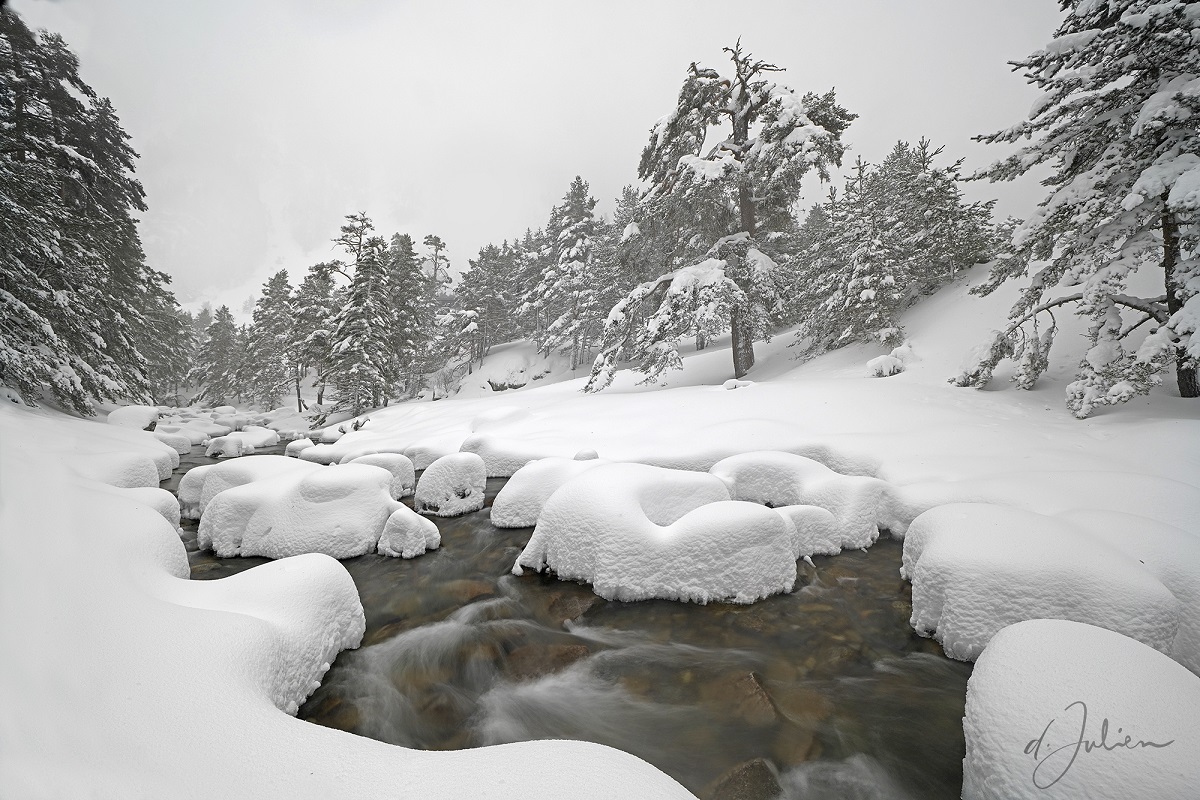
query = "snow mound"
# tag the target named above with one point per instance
(126, 470)
(136, 417)
(160, 501)
(407, 535)
(813, 529)
(319, 454)
(503, 456)
(192, 433)
(860, 506)
(451, 486)
(734, 383)
(884, 366)
(340, 512)
(1058, 710)
(178, 442)
(519, 503)
(1169, 554)
(404, 477)
(637, 532)
(233, 421)
(242, 443)
(201, 484)
(297, 446)
(976, 568)
(287, 422)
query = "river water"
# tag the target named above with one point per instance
(827, 684)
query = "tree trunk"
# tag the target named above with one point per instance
(1185, 368)
(299, 402)
(743, 343)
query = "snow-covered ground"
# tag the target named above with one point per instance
(129, 681)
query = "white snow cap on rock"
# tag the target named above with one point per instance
(860, 506)
(636, 532)
(296, 446)
(519, 503)
(451, 486)
(1060, 710)
(201, 484)
(136, 417)
(976, 568)
(884, 366)
(180, 443)
(407, 534)
(404, 477)
(242, 443)
(340, 511)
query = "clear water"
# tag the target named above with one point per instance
(828, 683)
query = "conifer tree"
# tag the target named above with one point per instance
(218, 361)
(272, 350)
(1119, 124)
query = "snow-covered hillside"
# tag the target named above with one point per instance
(130, 681)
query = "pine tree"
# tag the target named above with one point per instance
(272, 351)
(1119, 123)
(727, 201)
(410, 292)
(218, 362)
(315, 304)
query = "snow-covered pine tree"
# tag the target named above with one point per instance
(486, 293)
(217, 362)
(363, 367)
(1119, 123)
(411, 294)
(315, 304)
(272, 352)
(725, 202)
(567, 293)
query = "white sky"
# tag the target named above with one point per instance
(261, 123)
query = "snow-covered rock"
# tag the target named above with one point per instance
(338, 511)
(297, 446)
(319, 454)
(503, 456)
(976, 568)
(520, 501)
(407, 534)
(1060, 710)
(201, 484)
(1166, 552)
(125, 470)
(242, 443)
(193, 434)
(451, 486)
(178, 442)
(234, 421)
(860, 506)
(635, 532)
(136, 417)
(813, 529)
(404, 477)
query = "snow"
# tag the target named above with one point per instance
(884, 367)
(452, 485)
(201, 484)
(339, 511)
(404, 477)
(179, 443)
(242, 442)
(637, 532)
(519, 503)
(407, 535)
(295, 447)
(976, 568)
(509, 367)
(1058, 710)
(136, 417)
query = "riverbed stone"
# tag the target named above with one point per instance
(756, 779)
(740, 695)
(537, 660)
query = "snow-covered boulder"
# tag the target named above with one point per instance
(242, 443)
(136, 417)
(407, 534)
(814, 529)
(193, 434)
(1169, 554)
(125, 470)
(1059, 710)
(976, 568)
(340, 512)
(860, 506)
(520, 501)
(233, 421)
(319, 454)
(636, 532)
(178, 442)
(332, 434)
(297, 446)
(201, 484)
(452, 485)
(404, 477)
(287, 422)
(884, 366)
(503, 456)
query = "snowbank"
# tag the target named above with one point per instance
(339, 511)
(136, 417)
(976, 568)
(519, 503)
(1059, 710)
(452, 485)
(635, 532)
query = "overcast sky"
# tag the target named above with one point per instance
(261, 123)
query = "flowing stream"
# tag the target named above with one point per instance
(828, 684)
